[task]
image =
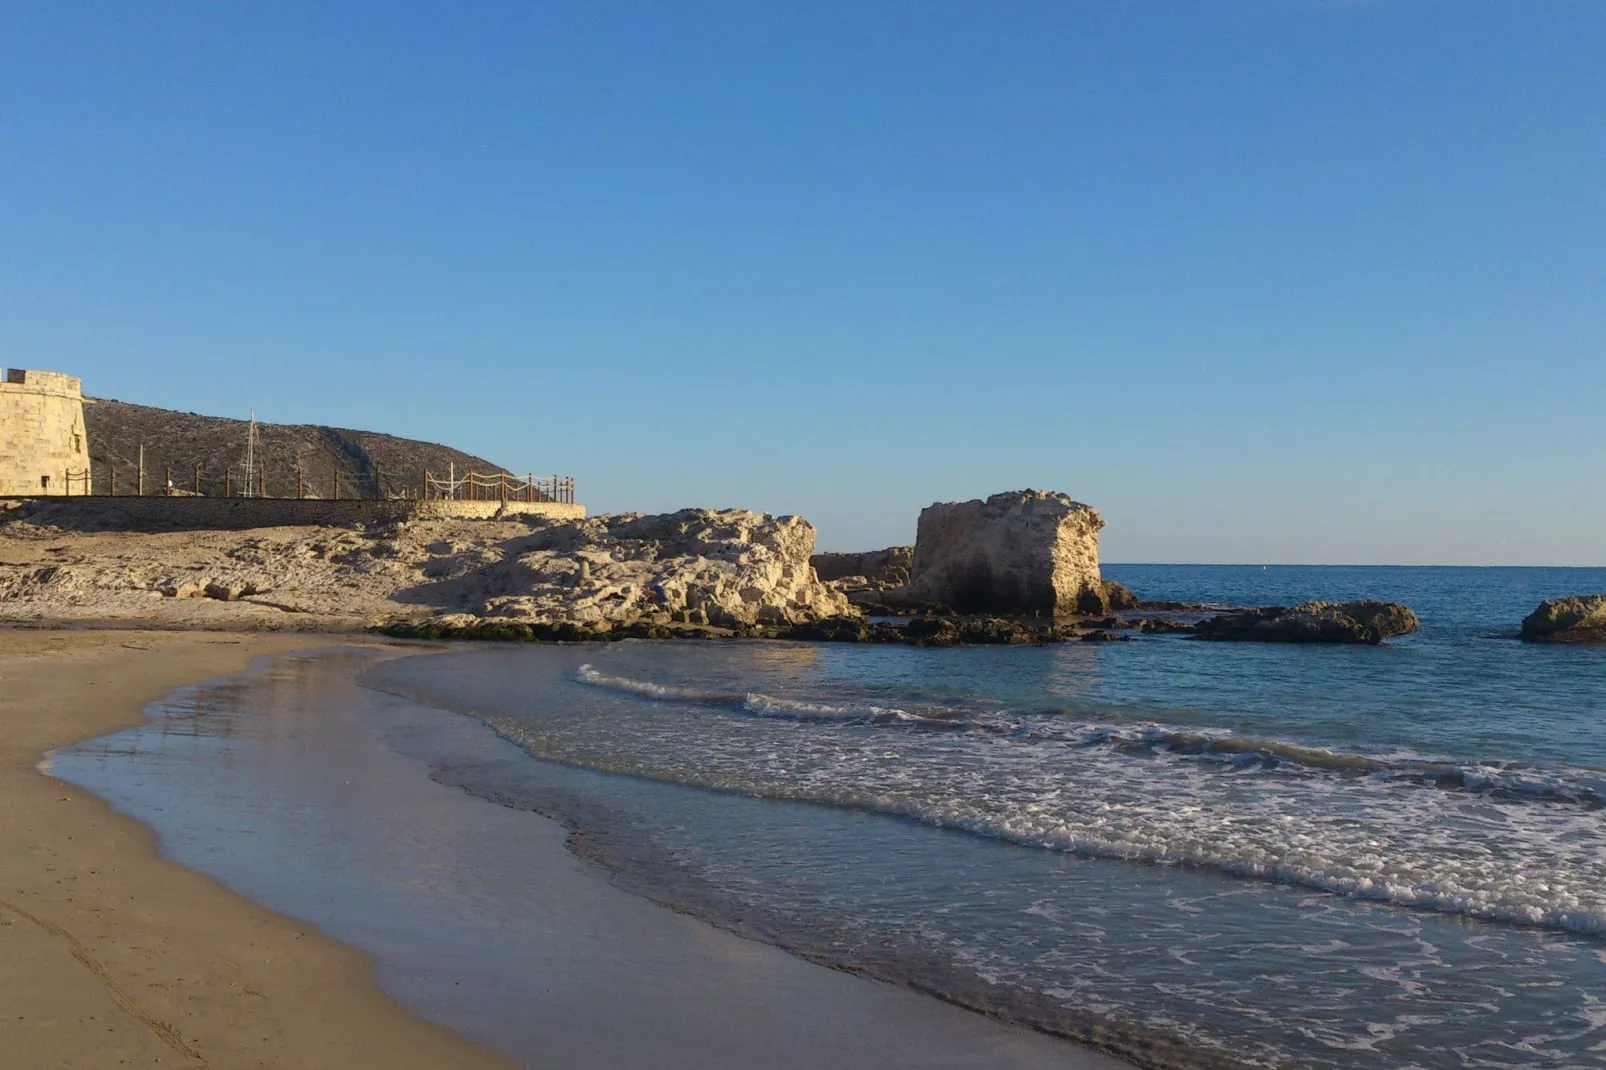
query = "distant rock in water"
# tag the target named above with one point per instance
(1367, 621)
(1577, 619)
(1020, 552)
(727, 568)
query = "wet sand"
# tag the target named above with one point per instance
(128, 956)
(115, 956)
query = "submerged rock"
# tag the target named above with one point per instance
(844, 630)
(1366, 621)
(1020, 552)
(1576, 619)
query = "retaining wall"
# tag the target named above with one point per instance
(104, 512)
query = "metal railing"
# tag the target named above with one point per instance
(320, 481)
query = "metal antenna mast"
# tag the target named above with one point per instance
(250, 457)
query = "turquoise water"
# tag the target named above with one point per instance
(1455, 690)
(1388, 857)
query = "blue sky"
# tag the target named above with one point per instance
(1264, 280)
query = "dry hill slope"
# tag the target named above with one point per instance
(183, 440)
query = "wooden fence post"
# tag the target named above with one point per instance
(197, 479)
(228, 483)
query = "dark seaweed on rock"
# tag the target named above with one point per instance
(500, 631)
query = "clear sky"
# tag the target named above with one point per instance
(1264, 280)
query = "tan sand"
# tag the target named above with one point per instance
(112, 956)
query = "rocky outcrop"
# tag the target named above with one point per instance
(1020, 552)
(727, 568)
(1107, 597)
(1576, 619)
(1366, 621)
(554, 579)
(873, 569)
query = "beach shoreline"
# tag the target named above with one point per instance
(131, 951)
(116, 954)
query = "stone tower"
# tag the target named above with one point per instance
(43, 448)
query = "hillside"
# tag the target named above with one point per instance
(184, 440)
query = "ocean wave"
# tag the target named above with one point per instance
(761, 705)
(1508, 781)
(664, 692)
(1507, 842)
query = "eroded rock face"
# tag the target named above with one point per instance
(873, 569)
(1106, 597)
(1020, 552)
(1366, 621)
(1577, 619)
(727, 568)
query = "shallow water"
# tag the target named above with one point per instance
(1378, 857)
(293, 786)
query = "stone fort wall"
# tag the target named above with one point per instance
(42, 439)
(235, 514)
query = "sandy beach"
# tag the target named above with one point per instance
(115, 956)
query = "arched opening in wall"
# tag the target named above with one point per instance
(44, 482)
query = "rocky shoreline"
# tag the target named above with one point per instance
(1017, 568)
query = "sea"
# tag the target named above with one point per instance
(1191, 853)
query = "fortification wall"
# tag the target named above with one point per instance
(235, 514)
(42, 436)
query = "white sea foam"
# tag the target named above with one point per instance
(1506, 844)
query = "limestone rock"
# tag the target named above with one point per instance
(1577, 619)
(1020, 552)
(1106, 597)
(1367, 621)
(728, 568)
(872, 570)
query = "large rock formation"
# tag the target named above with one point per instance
(1368, 621)
(1020, 552)
(1577, 619)
(728, 568)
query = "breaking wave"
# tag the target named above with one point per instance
(1505, 842)
(1512, 781)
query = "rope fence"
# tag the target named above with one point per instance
(499, 486)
